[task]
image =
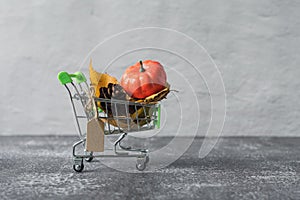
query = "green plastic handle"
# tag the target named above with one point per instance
(65, 77)
(79, 77)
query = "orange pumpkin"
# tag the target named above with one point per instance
(144, 79)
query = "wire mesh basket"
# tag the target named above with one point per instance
(124, 116)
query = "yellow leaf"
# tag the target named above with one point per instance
(99, 80)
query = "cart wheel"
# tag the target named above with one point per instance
(78, 166)
(142, 163)
(141, 166)
(89, 159)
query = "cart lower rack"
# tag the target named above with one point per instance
(116, 116)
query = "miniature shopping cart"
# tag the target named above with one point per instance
(115, 117)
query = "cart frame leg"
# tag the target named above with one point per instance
(129, 149)
(74, 147)
(141, 154)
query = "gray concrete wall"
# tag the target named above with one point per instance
(254, 43)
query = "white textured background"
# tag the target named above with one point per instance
(255, 44)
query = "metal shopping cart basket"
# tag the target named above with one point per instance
(119, 118)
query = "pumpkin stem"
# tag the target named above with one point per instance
(142, 68)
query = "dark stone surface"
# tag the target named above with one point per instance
(237, 168)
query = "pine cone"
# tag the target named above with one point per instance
(115, 91)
